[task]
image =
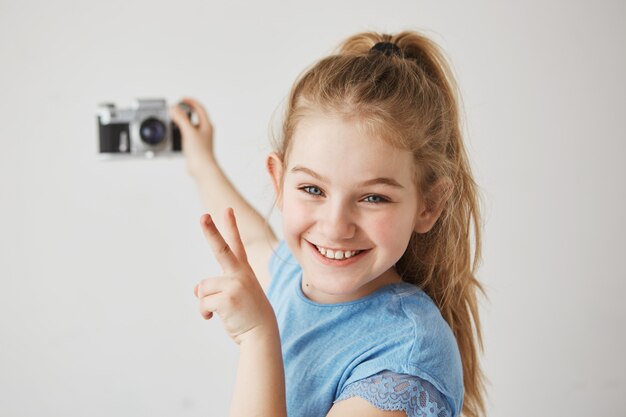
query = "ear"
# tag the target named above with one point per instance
(432, 204)
(274, 166)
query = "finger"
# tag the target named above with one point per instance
(206, 291)
(179, 117)
(205, 311)
(208, 306)
(234, 236)
(199, 109)
(211, 286)
(222, 251)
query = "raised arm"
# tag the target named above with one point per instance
(217, 192)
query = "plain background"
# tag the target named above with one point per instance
(98, 260)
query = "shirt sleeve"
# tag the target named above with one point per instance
(388, 391)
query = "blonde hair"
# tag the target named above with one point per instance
(410, 99)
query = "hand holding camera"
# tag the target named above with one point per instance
(197, 140)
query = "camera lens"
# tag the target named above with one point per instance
(152, 131)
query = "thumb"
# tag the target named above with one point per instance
(179, 117)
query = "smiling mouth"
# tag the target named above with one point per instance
(337, 254)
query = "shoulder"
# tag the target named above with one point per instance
(436, 356)
(418, 306)
(419, 322)
(432, 333)
(420, 344)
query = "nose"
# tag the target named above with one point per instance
(337, 222)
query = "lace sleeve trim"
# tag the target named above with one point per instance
(388, 391)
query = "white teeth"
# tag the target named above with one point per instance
(339, 254)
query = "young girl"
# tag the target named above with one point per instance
(368, 306)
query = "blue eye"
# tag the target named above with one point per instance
(377, 199)
(311, 189)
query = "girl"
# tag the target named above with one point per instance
(368, 306)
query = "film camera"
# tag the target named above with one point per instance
(142, 130)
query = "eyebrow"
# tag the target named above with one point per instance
(381, 180)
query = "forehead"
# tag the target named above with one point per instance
(335, 146)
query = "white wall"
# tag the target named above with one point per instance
(98, 260)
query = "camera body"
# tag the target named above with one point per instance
(142, 130)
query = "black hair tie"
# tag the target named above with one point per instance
(387, 48)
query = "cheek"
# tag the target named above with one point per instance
(382, 228)
(391, 230)
(295, 215)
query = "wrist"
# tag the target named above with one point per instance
(266, 335)
(203, 169)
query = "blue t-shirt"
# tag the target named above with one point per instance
(329, 349)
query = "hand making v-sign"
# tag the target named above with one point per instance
(236, 295)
